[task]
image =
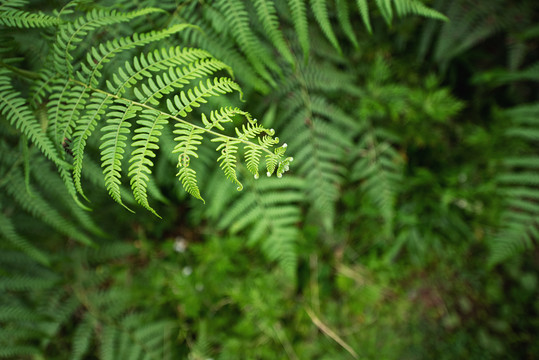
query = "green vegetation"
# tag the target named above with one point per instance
(398, 219)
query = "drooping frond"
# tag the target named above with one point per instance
(138, 103)
(321, 15)
(17, 112)
(135, 338)
(415, 7)
(228, 160)
(9, 233)
(319, 151)
(188, 140)
(343, 14)
(268, 17)
(379, 170)
(269, 212)
(320, 141)
(520, 184)
(145, 140)
(238, 18)
(210, 38)
(469, 26)
(113, 144)
(40, 208)
(402, 8)
(12, 16)
(298, 12)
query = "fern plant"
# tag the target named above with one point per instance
(317, 260)
(519, 183)
(149, 92)
(475, 26)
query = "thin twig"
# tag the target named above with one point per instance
(326, 330)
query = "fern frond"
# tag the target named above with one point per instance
(12, 17)
(82, 337)
(24, 274)
(299, 19)
(252, 159)
(221, 116)
(140, 91)
(19, 351)
(85, 127)
(379, 168)
(41, 209)
(228, 148)
(187, 177)
(90, 76)
(101, 55)
(19, 115)
(107, 343)
(384, 6)
(468, 27)
(238, 24)
(520, 183)
(402, 7)
(51, 187)
(321, 15)
(363, 7)
(145, 143)
(318, 148)
(184, 103)
(416, 7)
(9, 233)
(72, 34)
(343, 14)
(270, 210)
(250, 131)
(113, 144)
(321, 160)
(156, 61)
(188, 140)
(135, 338)
(498, 77)
(177, 78)
(224, 50)
(322, 107)
(268, 17)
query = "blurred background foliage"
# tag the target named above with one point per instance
(406, 228)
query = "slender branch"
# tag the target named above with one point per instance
(326, 330)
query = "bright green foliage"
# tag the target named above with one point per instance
(407, 228)
(188, 140)
(79, 103)
(11, 15)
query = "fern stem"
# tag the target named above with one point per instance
(214, 133)
(24, 73)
